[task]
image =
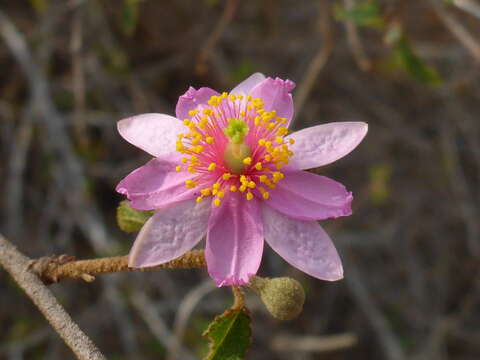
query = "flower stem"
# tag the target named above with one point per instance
(239, 299)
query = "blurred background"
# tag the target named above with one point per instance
(410, 69)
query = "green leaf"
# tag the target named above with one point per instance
(414, 65)
(130, 16)
(229, 335)
(366, 13)
(129, 219)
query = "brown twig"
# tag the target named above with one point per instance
(470, 6)
(358, 52)
(54, 269)
(225, 19)
(320, 344)
(457, 29)
(17, 265)
(318, 61)
(78, 77)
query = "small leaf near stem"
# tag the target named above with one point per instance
(129, 219)
(229, 334)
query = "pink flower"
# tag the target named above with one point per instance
(226, 167)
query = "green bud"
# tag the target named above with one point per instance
(129, 219)
(283, 297)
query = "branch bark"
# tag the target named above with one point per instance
(18, 266)
(53, 269)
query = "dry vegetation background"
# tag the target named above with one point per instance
(411, 249)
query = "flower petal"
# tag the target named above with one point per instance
(306, 196)
(153, 133)
(275, 94)
(234, 240)
(192, 99)
(248, 84)
(156, 184)
(170, 233)
(303, 244)
(323, 144)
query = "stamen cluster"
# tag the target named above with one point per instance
(234, 144)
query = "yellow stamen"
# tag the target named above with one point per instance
(258, 166)
(178, 168)
(226, 176)
(216, 202)
(190, 184)
(199, 199)
(249, 196)
(209, 140)
(206, 192)
(233, 188)
(247, 160)
(192, 112)
(212, 166)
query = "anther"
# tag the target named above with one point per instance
(247, 160)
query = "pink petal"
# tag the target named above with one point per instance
(234, 240)
(275, 94)
(303, 244)
(156, 184)
(153, 133)
(192, 99)
(306, 196)
(248, 84)
(170, 233)
(323, 144)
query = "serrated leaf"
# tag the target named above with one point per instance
(129, 219)
(229, 335)
(366, 13)
(414, 65)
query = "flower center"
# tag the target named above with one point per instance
(236, 149)
(234, 144)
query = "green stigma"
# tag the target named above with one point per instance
(236, 130)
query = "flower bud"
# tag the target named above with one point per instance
(283, 297)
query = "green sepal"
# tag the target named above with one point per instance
(230, 335)
(129, 219)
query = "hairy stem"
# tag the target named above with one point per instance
(18, 266)
(54, 269)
